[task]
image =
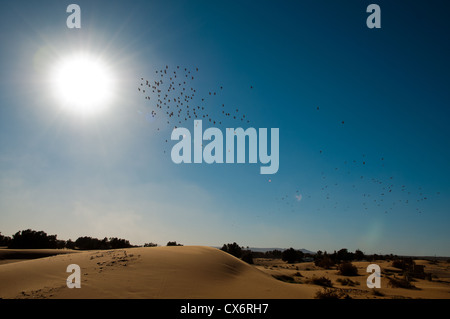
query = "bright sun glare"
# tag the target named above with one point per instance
(82, 83)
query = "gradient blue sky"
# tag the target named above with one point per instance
(108, 175)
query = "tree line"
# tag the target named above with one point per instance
(291, 255)
(32, 239)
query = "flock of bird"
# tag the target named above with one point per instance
(173, 99)
(368, 192)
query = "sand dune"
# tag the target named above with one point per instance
(189, 272)
(157, 272)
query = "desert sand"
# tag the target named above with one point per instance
(14, 255)
(156, 272)
(300, 273)
(189, 272)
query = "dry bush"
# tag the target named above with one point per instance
(401, 283)
(328, 293)
(348, 269)
(347, 282)
(324, 262)
(285, 278)
(321, 281)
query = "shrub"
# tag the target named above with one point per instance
(4, 240)
(348, 269)
(404, 264)
(321, 281)
(328, 293)
(410, 268)
(284, 278)
(359, 255)
(324, 262)
(291, 255)
(398, 264)
(401, 283)
(248, 257)
(344, 255)
(173, 243)
(347, 282)
(150, 245)
(233, 249)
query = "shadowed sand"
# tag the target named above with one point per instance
(157, 272)
(14, 255)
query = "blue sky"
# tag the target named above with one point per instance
(378, 182)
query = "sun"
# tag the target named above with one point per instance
(82, 83)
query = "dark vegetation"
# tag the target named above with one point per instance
(347, 282)
(326, 260)
(273, 254)
(4, 240)
(233, 249)
(409, 270)
(343, 256)
(347, 269)
(320, 281)
(239, 252)
(291, 255)
(401, 283)
(285, 278)
(32, 239)
(173, 243)
(328, 293)
(340, 260)
(247, 256)
(89, 243)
